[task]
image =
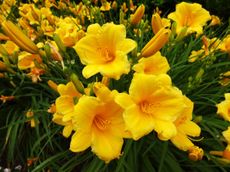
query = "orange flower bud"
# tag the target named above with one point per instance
(137, 16)
(156, 43)
(195, 153)
(156, 23)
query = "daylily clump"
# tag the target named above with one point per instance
(111, 81)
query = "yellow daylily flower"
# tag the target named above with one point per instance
(105, 5)
(65, 107)
(190, 15)
(69, 31)
(155, 64)
(10, 47)
(209, 47)
(100, 127)
(223, 108)
(31, 13)
(215, 20)
(152, 104)
(185, 127)
(27, 60)
(104, 49)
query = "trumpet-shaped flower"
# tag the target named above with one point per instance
(101, 126)
(190, 15)
(152, 104)
(209, 46)
(223, 108)
(65, 107)
(104, 49)
(69, 31)
(155, 64)
(27, 60)
(185, 127)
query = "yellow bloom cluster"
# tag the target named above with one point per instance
(92, 55)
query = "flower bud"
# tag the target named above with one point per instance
(18, 37)
(137, 16)
(156, 23)
(156, 43)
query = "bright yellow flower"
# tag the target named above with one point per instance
(105, 6)
(225, 45)
(223, 108)
(69, 31)
(104, 49)
(155, 64)
(101, 126)
(185, 127)
(65, 107)
(152, 104)
(31, 13)
(215, 20)
(190, 15)
(209, 47)
(10, 47)
(27, 60)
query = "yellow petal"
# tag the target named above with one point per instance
(106, 146)
(138, 123)
(80, 141)
(64, 104)
(85, 115)
(165, 129)
(126, 45)
(87, 49)
(57, 118)
(155, 64)
(112, 69)
(67, 130)
(181, 142)
(68, 89)
(190, 128)
(147, 84)
(124, 100)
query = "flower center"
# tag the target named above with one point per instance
(101, 123)
(106, 54)
(148, 107)
(187, 20)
